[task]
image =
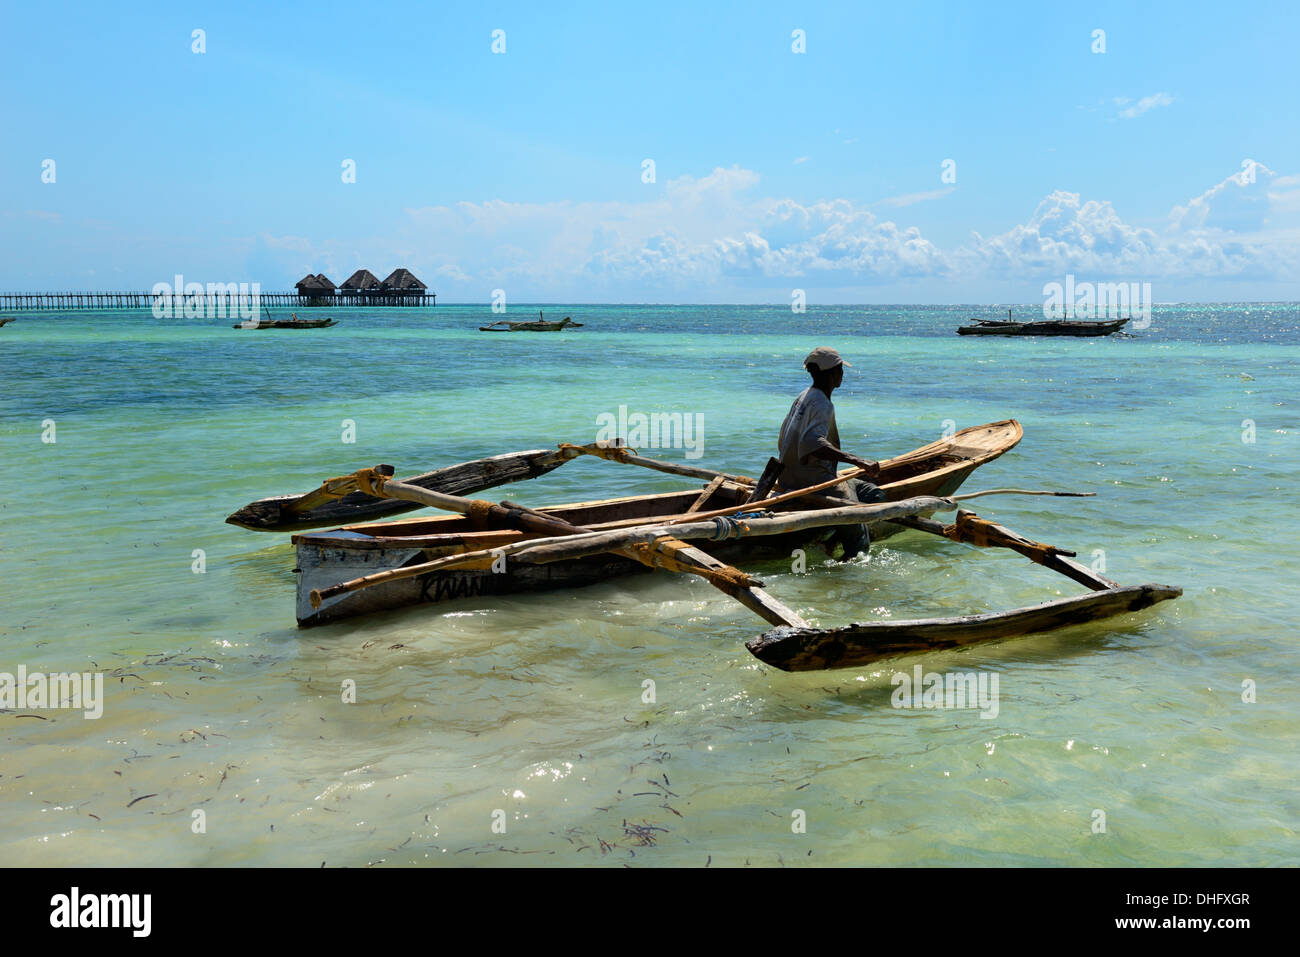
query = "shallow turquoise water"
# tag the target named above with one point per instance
(532, 706)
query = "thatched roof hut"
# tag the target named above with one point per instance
(403, 280)
(363, 280)
(316, 285)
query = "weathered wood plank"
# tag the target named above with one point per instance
(704, 496)
(851, 646)
(771, 472)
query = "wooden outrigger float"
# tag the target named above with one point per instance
(498, 549)
(792, 648)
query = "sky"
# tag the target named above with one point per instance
(668, 152)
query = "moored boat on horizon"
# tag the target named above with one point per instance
(540, 324)
(1046, 327)
(286, 324)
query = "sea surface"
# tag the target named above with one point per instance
(520, 731)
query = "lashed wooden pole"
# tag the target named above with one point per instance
(983, 533)
(626, 456)
(586, 542)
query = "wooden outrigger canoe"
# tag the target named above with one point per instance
(286, 324)
(507, 548)
(536, 325)
(325, 558)
(583, 555)
(1048, 327)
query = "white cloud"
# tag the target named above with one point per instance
(697, 232)
(1239, 203)
(1144, 104)
(452, 272)
(1066, 233)
(717, 235)
(910, 199)
(1244, 228)
(801, 159)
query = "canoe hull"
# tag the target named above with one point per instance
(319, 567)
(327, 558)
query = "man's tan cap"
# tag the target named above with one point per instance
(823, 358)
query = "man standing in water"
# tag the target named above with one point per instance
(809, 448)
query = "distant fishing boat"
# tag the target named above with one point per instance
(6, 321)
(1046, 327)
(537, 325)
(294, 323)
(287, 324)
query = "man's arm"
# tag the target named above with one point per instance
(825, 450)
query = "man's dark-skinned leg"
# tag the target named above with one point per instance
(856, 539)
